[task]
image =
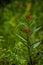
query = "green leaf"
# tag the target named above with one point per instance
(20, 37)
(36, 45)
(37, 29)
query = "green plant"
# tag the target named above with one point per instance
(21, 34)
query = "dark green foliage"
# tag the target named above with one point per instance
(4, 3)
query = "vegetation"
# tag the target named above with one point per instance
(21, 32)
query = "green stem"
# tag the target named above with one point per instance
(28, 43)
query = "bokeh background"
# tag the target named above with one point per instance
(21, 21)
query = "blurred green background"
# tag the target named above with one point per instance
(15, 20)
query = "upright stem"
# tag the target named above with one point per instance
(28, 43)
